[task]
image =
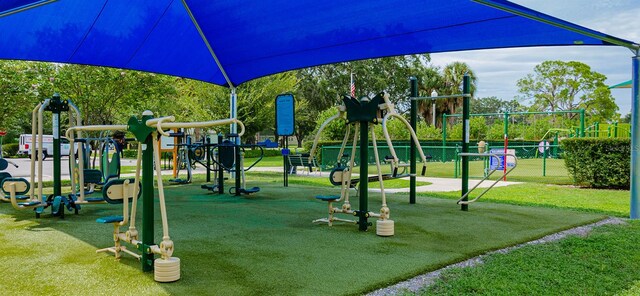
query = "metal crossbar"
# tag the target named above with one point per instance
(440, 97)
(497, 156)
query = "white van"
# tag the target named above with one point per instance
(47, 147)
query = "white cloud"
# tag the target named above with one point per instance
(498, 70)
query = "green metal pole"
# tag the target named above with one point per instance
(466, 89)
(364, 172)
(55, 108)
(635, 137)
(506, 144)
(444, 137)
(456, 163)
(147, 203)
(615, 129)
(238, 168)
(555, 146)
(413, 85)
(581, 123)
(506, 123)
(544, 158)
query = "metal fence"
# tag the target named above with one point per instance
(537, 162)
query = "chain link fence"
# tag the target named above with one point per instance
(537, 161)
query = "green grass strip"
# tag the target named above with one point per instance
(612, 202)
(604, 263)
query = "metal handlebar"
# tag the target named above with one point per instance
(497, 156)
(11, 162)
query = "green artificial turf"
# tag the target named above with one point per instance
(262, 244)
(612, 202)
(604, 263)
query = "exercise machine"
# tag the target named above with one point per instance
(31, 192)
(146, 130)
(224, 155)
(361, 114)
(183, 160)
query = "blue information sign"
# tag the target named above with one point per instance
(285, 115)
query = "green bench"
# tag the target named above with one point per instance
(302, 160)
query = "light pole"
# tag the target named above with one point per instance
(434, 94)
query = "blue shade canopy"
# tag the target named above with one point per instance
(256, 38)
(13, 6)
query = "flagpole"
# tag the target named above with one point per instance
(352, 86)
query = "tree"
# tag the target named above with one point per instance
(204, 101)
(494, 105)
(305, 120)
(324, 86)
(22, 85)
(449, 83)
(558, 85)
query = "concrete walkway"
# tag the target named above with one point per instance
(437, 184)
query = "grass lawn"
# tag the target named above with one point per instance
(263, 244)
(528, 170)
(612, 202)
(604, 263)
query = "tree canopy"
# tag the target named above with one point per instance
(558, 85)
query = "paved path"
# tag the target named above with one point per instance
(437, 184)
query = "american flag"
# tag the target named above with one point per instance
(353, 86)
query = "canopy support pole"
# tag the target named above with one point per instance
(206, 42)
(491, 3)
(25, 7)
(233, 107)
(635, 137)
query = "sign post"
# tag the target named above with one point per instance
(285, 126)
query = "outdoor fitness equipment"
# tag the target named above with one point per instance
(18, 187)
(5, 175)
(183, 159)
(4, 164)
(499, 158)
(146, 131)
(109, 168)
(223, 156)
(362, 113)
(110, 162)
(466, 96)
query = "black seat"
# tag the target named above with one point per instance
(328, 197)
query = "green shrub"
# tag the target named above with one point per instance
(130, 153)
(10, 149)
(252, 153)
(598, 163)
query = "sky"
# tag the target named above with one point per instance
(498, 70)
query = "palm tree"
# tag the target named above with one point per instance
(453, 75)
(446, 82)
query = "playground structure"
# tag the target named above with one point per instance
(361, 114)
(146, 131)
